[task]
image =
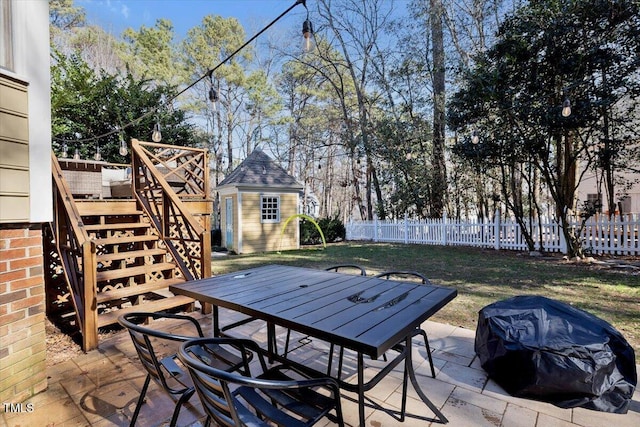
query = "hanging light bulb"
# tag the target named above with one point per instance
(65, 150)
(156, 136)
(474, 137)
(214, 96)
(97, 156)
(76, 154)
(307, 34)
(124, 150)
(566, 108)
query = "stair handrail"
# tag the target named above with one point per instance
(77, 255)
(182, 165)
(169, 215)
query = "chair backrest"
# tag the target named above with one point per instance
(231, 399)
(213, 385)
(141, 338)
(403, 275)
(347, 267)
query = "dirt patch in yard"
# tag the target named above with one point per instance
(62, 346)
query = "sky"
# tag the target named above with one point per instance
(115, 16)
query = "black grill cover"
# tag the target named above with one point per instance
(543, 349)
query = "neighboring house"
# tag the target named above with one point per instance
(25, 195)
(309, 204)
(256, 200)
(591, 189)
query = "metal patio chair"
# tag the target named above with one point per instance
(348, 268)
(165, 371)
(273, 397)
(403, 275)
(337, 268)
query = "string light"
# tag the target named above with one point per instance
(214, 96)
(209, 73)
(307, 34)
(156, 136)
(566, 108)
(475, 139)
(65, 150)
(76, 154)
(124, 150)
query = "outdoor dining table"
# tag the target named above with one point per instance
(365, 314)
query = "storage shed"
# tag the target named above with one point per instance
(256, 199)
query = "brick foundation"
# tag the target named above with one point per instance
(22, 313)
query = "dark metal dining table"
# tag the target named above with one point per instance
(365, 314)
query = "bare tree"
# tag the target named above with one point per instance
(354, 27)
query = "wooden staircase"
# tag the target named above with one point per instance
(107, 257)
(134, 267)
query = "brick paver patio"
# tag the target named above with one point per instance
(100, 389)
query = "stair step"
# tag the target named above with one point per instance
(133, 271)
(126, 239)
(107, 207)
(119, 256)
(117, 226)
(147, 306)
(130, 291)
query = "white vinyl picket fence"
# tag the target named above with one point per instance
(600, 236)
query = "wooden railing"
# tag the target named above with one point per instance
(160, 174)
(77, 255)
(185, 169)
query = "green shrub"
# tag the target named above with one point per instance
(332, 228)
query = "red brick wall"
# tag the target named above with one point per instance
(22, 313)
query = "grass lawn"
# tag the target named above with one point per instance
(482, 276)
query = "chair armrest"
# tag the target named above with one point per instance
(388, 274)
(190, 319)
(219, 355)
(280, 379)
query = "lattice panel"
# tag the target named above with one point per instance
(58, 295)
(185, 171)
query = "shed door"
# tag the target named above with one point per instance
(229, 222)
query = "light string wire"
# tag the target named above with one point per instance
(208, 74)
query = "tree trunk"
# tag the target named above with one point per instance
(439, 177)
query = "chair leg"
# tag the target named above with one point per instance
(286, 343)
(330, 361)
(183, 399)
(426, 343)
(340, 360)
(140, 401)
(405, 380)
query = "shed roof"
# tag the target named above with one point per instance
(259, 170)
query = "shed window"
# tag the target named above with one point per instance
(270, 208)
